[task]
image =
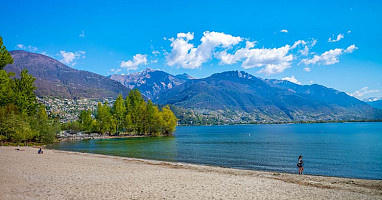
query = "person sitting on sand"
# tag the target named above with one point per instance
(40, 151)
(300, 165)
(18, 149)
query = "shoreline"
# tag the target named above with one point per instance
(294, 122)
(205, 165)
(67, 172)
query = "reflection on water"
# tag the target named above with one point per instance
(157, 148)
(338, 149)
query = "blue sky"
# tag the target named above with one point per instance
(333, 43)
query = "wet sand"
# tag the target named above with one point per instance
(71, 175)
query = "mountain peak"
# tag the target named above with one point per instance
(234, 74)
(54, 78)
(184, 76)
(150, 82)
(148, 69)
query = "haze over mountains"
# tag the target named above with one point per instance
(58, 80)
(231, 97)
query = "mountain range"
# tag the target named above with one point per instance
(244, 95)
(151, 82)
(228, 97)
(376, 103)
(58, 80)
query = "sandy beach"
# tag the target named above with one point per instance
(71, 175)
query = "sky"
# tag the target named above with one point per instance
(333, 43)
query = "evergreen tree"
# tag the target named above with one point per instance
(21, 118)
(25, 98)
(6, 88)
(5, 56)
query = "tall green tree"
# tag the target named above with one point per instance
(25, 97)
(153, 119)
(15, 126)
(134, 102)
(5, 56)
(119, 112)
(132, 115)
(86, 120)
(21, 117)
(46, 129)
(7, 94)
(105, 121)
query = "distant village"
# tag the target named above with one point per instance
(68, 110)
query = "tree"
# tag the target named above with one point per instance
(45, 128)
(132, 115)
(153, 119)
(157, 121)
(41, 113)
(86, 120)
(119, 111)
(104, 119)
(141, 122)
(6, 88)
(21, 117)
(25, 99)
(5, 56)
(134, 101)
(7, 115)
(17, 128)
(169, 121)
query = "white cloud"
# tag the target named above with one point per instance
(307, 46)
(219, 46)
(21, 46)
(350, 49)
(349, 32)
(82, 34)
(138, 59)
(274, 60)
(304, 51)
(25, 47)
(155, 52)
(284, 31)
(339, 37)
(362, 92)
(371, 99)
(307, 69)
(329, 57)
(185, 55)
(291, 79)
(274, 69)
(70, 57)
(115, 71)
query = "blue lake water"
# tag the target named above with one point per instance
(332, 149)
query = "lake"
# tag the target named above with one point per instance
(330, 149)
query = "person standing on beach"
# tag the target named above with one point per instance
(300, 165)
